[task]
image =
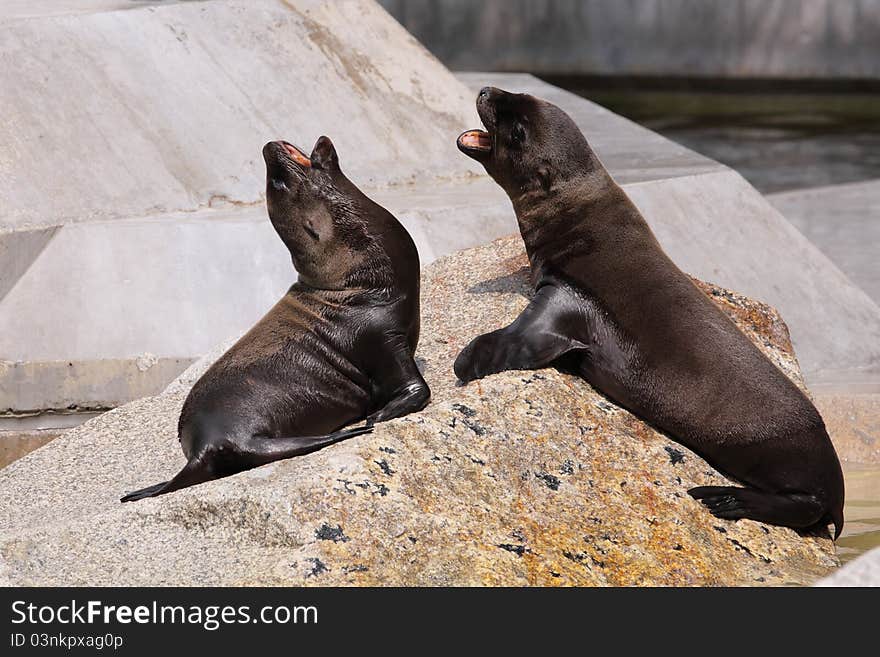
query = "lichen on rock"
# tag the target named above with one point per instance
(522, 478)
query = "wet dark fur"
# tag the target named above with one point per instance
(336, 349)
(636, 328)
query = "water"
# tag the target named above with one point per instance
(777, 141)
(861, 530)
(17, 444)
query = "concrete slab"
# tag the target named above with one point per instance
(108, 311)
(14, 445)
(844, 222)
(853, 422)
(164, 107)
(863, 572)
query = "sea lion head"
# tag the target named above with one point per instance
(529, 145)
(321, 217)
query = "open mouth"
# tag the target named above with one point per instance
(295, 154)
(478, 141)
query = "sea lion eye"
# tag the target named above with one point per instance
(517, 133)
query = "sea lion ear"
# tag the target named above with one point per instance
(545, 176)
(324, 155)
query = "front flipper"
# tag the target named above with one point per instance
(399, 386)
(409, 400)
(541, 334)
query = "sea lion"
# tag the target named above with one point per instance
(610, 305)
(337, 348)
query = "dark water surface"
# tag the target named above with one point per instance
(861, 531)
(777, 140)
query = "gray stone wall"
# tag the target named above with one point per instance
(813, 39)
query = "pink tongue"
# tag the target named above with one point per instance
(476, 139)
(298, 156)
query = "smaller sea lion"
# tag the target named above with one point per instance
(337, 348)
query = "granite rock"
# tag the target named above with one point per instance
(523, 478)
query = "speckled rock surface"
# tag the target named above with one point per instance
(524, 478)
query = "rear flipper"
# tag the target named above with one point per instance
(149, 491)
(258, 451)
(796, 510)
(194, 472)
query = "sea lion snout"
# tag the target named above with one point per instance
(478, 144)
(486, 105)
(474, 141)
(276, 152)
(529, 145)
(503, 115)
(296, 155)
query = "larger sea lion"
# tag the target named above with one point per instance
(336, 349)
(610, 304)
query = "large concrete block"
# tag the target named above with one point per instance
(844, 222)
(14, 9)
(116, 114)
(105, 312)
(109, 311)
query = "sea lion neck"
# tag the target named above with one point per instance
(390, 259)
(546, 216)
